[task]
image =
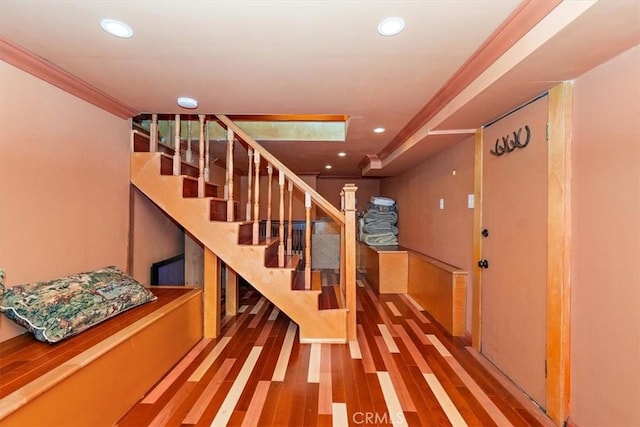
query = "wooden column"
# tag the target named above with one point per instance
(350, 257)
(177, 161)
(229, 186)
(207, 156)
(193, 261)
(281, 225)
(153, 141)
(342, 249)
(290, 225)
(559, 252)
(231, 292)
(212, 294)
(201, 158)
(307, 237)
(249, 183)
(256, 200)
(476, 303)
(269, 176)
(189, 152)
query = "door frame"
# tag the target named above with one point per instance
(558, 350)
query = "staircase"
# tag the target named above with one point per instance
(233, 242)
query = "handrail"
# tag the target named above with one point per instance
(320, 201)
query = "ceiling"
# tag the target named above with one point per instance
(314, 57)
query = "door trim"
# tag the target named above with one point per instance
(559, 252)
(476, 310)
(558, 351)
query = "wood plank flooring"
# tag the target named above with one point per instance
(403, 370)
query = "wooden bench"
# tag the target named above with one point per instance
(93, 378)
(440, 288)
(385, 267)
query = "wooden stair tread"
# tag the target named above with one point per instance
(330, 298)
(165, 171)
(262, 242)
(290, 261)
(193, 178)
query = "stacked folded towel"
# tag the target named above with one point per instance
(378, 225)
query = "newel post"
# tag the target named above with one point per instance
(350, 256)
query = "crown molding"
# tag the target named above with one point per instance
(37, 66)
(525, 17)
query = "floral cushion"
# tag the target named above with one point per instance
(60, 308)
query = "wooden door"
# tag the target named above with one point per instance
(515, 247)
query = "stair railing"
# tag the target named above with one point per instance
(287, 181)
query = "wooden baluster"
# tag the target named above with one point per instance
(207, 156)
(290, 225)
(269, 176)
(256, 200)
(201, 158)
(307, 248)
(189, 153)
(177, 161)
(249, 183)
(281, 225)
(350, 257)
(230, 210)
(153, 144)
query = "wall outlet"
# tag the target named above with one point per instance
(471, 201)
(441, 203)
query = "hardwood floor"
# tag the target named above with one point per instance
(403, 369)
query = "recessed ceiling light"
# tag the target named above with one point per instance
(342, 154)
(328, 167)
(189, 103)
(117, 28)
(379, 130)
(391, 26)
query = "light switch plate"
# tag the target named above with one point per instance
(471, 201)
(441, 203)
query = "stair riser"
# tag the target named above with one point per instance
(189, 188)
(245, 233)
(166, 168)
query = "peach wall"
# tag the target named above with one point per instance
(155, 236)
(605, 275)
(64, 183)
(443, 234)
(330, 189)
